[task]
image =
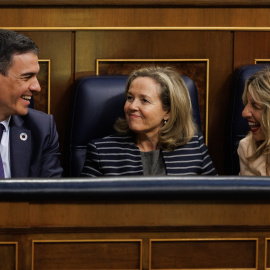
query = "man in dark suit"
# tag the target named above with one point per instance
(29, 145)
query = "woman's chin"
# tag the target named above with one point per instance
(257, 136)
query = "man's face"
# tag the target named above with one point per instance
(17, 86)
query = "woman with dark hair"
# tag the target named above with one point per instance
(158, 135)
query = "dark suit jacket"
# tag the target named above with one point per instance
(38, 155)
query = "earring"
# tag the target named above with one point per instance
(165, 121)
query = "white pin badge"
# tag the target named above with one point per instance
(23, 136)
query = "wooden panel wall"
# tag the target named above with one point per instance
(87, 254)
(8, 255)
(160, 234)
(227, 33)
(217, 253)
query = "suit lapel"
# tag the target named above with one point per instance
(20, 147)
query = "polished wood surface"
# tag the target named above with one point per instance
(76, 18)
(256, 46)
(8, 255)
(87, 254)
(82, 18)
(135, 223)
(205, 254)
(136, 235)
(139, 2)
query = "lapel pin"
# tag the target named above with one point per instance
(23, 136)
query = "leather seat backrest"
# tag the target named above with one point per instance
(99, 101)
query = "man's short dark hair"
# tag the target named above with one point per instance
(12, 43)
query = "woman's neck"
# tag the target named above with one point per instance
(146, 143)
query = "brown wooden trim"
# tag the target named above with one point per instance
(133, 229)
(195, 3)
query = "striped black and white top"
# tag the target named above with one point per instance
(117, 155)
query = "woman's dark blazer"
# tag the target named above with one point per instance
(117, 155)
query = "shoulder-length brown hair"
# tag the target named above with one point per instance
(174, 95)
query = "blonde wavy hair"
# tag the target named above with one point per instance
(258, 86)
(175, 98)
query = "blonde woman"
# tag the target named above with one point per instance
(254, 149)
(157, 136)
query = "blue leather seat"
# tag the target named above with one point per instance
(237, 127)
(98, 102)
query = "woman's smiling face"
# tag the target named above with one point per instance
(143, 107)
(253, 113)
